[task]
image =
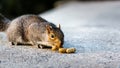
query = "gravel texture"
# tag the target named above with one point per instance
(92, 28)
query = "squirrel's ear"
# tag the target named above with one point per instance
(49, 28)
(59, 26)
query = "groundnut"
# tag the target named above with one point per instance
(70, 50)
(62, 50)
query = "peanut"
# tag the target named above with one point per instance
(62, 50)
(70, 50)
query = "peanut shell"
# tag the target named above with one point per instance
(70, 50)
(62, 50)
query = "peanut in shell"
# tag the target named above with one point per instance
(62, 50)
(70, 50)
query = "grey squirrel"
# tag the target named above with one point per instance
(32, 29)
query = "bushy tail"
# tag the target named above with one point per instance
(4, 22)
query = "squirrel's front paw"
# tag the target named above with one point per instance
(54, 48)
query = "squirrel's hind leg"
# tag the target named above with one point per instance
(16, 41)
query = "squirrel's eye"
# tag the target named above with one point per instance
(52, 36)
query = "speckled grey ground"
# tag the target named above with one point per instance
(92, 28)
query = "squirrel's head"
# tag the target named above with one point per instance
(55, 35)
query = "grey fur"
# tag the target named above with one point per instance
(32, 29)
